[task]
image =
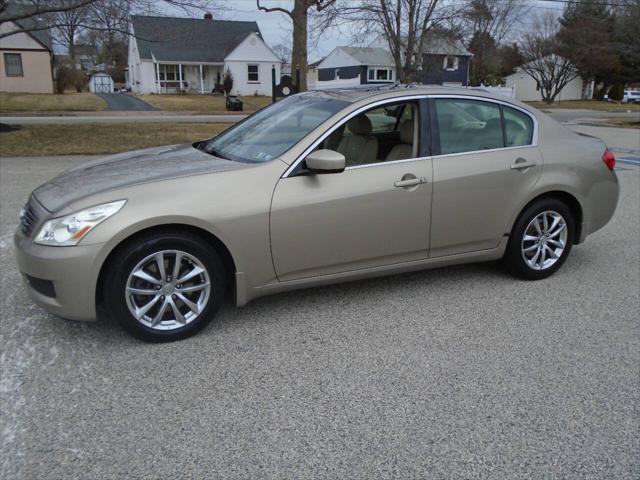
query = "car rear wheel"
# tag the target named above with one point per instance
(540, 240)
(166, 287)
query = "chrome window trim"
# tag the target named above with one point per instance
(392, 162)
(346, 118)
(502, 149)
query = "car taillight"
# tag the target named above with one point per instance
(609, 159)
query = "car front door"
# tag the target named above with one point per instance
(374, 213)
(485, 162)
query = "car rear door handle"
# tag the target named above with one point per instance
(410, 182)
(521, 164)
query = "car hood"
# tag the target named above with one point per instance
(126, 169)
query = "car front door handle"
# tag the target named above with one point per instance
(522, 164)
(409, 182)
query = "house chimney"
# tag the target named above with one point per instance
(208, 16)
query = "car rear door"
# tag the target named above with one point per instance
(485, 161)
(369, 215)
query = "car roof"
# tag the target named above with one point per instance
(370, 92)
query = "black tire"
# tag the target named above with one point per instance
(514, 258)
(131, 254)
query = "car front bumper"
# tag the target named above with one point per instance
(62, 280)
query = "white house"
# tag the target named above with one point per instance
(527, 89)
(168, 54)
(350, 66)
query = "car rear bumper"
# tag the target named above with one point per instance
(62, 280)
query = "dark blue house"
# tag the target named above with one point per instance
(357, 66)
(446, 61)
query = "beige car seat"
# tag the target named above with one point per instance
(360, 147)
(403, 150)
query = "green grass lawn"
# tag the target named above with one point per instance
(50, 139)
(49, 102)
(201, 103)
(588, 105)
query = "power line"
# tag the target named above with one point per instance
(582, 2)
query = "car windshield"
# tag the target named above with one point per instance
(272, 131)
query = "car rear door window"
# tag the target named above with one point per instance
(468, 125)
(518, 127)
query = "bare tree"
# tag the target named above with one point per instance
(299, 16)
(542, 54)
(283, 52)
(69, 25)
(496, 18)
(405, 25)
(111, 17)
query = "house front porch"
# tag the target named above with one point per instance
(172, 77)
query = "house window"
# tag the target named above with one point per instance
(252, 73)
(13, 65)
(169, 73)
(380, 75)
(450, 63)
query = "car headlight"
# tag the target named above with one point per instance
(69, 230)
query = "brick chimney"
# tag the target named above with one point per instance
(208, 16)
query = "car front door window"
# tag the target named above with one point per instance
(381, 134)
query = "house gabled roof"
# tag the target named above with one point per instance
(438, 44)
(43, 37)
(369, 55)
(316, 63)
(172, 39)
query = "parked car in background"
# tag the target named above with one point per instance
(321, 187)
(631, 96)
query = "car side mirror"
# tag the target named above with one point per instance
(325, 161)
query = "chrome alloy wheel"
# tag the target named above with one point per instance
(167, 290)
(544, 240)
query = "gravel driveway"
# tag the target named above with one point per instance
(459, 372)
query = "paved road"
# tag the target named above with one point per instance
(459, 372)
(574, 115)
(120, 102)
(625, 142)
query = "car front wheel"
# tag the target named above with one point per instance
(164, 288)
(540, 240)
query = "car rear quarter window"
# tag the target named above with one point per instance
(518, 127)
(468, 125)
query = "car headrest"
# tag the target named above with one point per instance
(406, 132)
(360, 125)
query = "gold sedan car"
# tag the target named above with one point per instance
(318, 188)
